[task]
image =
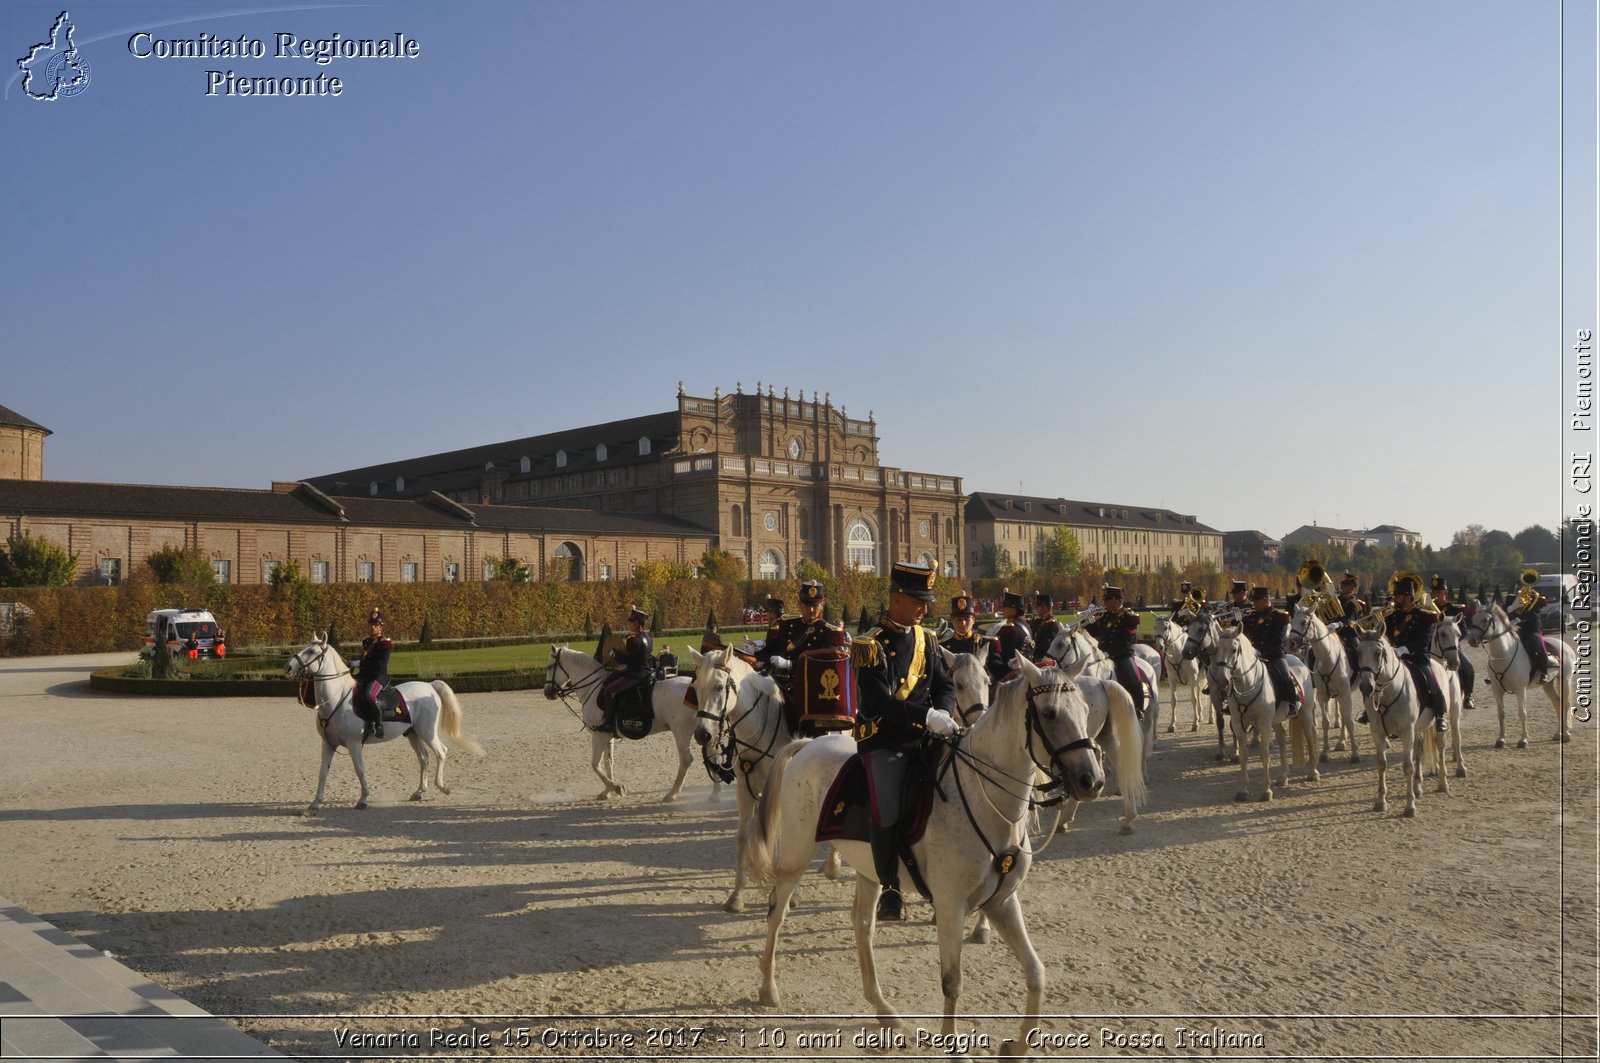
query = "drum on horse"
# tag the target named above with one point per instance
(1254, 708)
(1510, 671)
(1201, 647)
(740, 721)
(974, 851)
(1078, 654)
(1332, 675)
(432, 706)
(1397, 713)
(574, 675)
(1183, 673)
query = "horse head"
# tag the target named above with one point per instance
(1483, 621)
(307, 664)
(1447, 643)
(1300, 627)
(713, 685)
(1202, 636)
(970, 673)
(1072, 649)
(1058, 716)
(555, 674)
(1372, 661)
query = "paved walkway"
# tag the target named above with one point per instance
(61, 999)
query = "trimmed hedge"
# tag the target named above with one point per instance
(113, 681)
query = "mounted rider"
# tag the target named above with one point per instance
(1238, 596)
(1266, 627)
(906, 693)
(1525, 614)
(633, 660)
(791, 637)
(372, 674)
(963, 635)
(1460, 615)
(1189, 599)
(1045, 628)
(1409, 628)
(1116, 630)
(1011, 635)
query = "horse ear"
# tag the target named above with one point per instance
(696, 656)
(319, 636)
(947, 657)
(982, 653)
(1027, 668)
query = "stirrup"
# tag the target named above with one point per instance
(889, 907)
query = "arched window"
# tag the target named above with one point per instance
(644, 444)
(526, 464)
(399, 483)
(561, 459)
(568, 563)
(771, 566)
(372, 488)
(861, 546)
(600, 452)
(951, 569)
(926, 561)
(737, 517)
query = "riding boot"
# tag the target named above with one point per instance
(366, 730)
(1439, 722)
(886, 862)
(1290, 709)
(377, 728)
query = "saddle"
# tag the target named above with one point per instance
(392, 706)
(852, 804)
(632, 712)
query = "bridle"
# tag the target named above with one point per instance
(558, 681)
(1386, 682)
(727, 740)
(312, 671)
(1298, 639)
(1257, 685)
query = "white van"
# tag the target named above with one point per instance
(1561, 588)
(180, 625)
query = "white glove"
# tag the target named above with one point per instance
(939, 722)
(1402, 651)
(780, 664)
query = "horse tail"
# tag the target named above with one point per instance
(755, 836)
(450, 718)
(1130, 742)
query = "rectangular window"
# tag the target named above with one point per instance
(1022, 558)
(408, 572)
(605, 572)
(223, 569)
(319, 572)
(269, 569)
(488, 571)
(110, 570)
(366, 572)
(452, 572)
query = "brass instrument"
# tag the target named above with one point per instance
(1327, 606)
(1424, 602)
(1314, 579)
(1528, 596)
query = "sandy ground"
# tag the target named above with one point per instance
(515, 915)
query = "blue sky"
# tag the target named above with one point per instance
(1262, 262)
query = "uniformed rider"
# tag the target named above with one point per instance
(1012, 636)
(1116, 630)
(1525, 614)
(635, 663)
(1410, 631)
(1460, 615)
(1351, 609)
(1045, 628)
(372, 673)
(1266, 627)
(794, 636)
(906, 693)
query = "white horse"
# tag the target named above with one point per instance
(1204, 634)
(1446, 648)
(575, 674)
(1255, 709)
(1183, 673)
(1116, 729)
(433, 708)
(1332, 675)
(1510, 671)
(741, 713)
(974, 851)
(1397, 713)
(1078, 654)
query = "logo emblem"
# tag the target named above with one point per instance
(55, 69)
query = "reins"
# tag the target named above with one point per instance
(564, 689)
(727, 737)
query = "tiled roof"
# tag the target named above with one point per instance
(16, 420)
(984, 505)
(457, 470)
(1234, 537)
(149, 502)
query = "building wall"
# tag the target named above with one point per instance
(21, 453)
(1129, 549)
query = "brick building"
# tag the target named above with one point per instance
(1125, 537)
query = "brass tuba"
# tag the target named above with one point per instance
(1528, 596)
(1314, 579)
(1424, 602)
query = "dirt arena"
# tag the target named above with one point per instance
(518, 916)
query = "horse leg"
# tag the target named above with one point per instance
(600, 749)
(684, 760)
(1069, 809)
(864, 914)
(420, 748)
(980, 930)
(1264, 751)
(782, 888)
(1241, 757)
(1437, 739)
(1347, 713)
(1500, 711)
(322, 776)
(1222, 723)
(1323, 696)
(357, 757)
(1522, 716)
(440, 753)
(1007, 918)
(832, 864)
(1380, 746)
(735, 901)
(951, 918)
(1557, 693)
(1408, 756)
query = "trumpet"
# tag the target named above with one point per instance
(1087, 615)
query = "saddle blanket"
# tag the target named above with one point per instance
(847, 811)
(634, 713)
(392, 707)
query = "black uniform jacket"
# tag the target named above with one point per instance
(1265, 628)
(374, 659)
(1115, 632)
(901, 676)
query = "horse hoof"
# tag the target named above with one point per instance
(1171, 728)
(1354, 759)
(1324, 758)
(418, 795)
(1562, 738)
(1219, 757)
(1266, 797)
(1242, 795)
(1337, 748)
(669, 798)
(734, 906)
(769, 998)
(361, 804)
(1499, 743)
(1380, 806)
(1522, 744)
(980, 936)
(1461, 772)
(1411, 813)
(312, 810)
(1127, 828)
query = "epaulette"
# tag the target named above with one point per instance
(865, 652)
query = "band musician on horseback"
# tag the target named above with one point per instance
(1116, 630)
(963, 636)
(1045, 628)
(1188, 599)
(1238, 592)
(906, 693)
(1351, 609)
(1011, 637)
(633, 660)
(1459, 615)
(1525, 614)
(791, 637)
(1409, 628)
(1266, 627)
(372, 673)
